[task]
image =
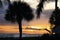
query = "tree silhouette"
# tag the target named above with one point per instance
(55, 17)
(18, 11)
(40, 7)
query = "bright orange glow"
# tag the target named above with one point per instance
(14, 29)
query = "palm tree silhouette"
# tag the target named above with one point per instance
(55, 17)
(40, 7)
(18, 11)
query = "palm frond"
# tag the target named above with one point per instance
(40, 7)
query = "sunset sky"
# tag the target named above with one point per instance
(42, 23)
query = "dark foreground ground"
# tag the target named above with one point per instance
(44, 37)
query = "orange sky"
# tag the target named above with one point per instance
(14, 29)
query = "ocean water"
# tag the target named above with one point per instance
(17, 35)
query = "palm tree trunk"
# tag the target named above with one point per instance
(20, 29)
(56, 4)
(19, 20)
